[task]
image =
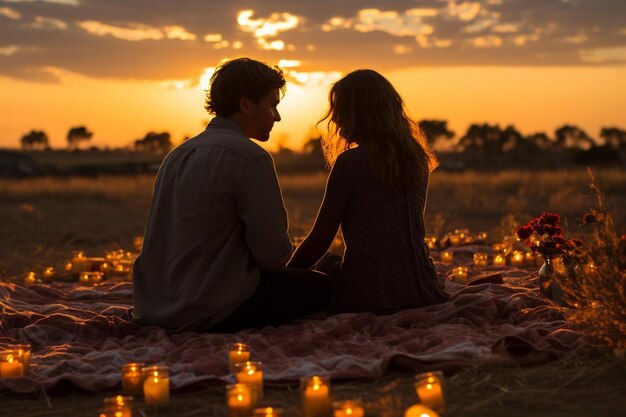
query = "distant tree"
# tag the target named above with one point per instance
(436, 132)
(613, 137)
(76, 135)
(485, 138)
(540, 140)
(511, 138)
(35, 140)
(155, 142)
(573, 137)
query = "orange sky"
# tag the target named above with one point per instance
(124, 68)
(533, 99)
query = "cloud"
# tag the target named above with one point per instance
(213, 37)
(10, 13)
(47, 23)
(408, 23)
(134, 32)
(262, 28)
(505, 28)
(604, 55)
(490, 41)
(178, 32)
(465, 11)
(576, 39)
(9, 50)
(64, 2)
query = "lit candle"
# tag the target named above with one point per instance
(517, 258)
(132, 381)
(30, 278)
(48, 273)
(347, 409)
(90, 277)
(237, 353)
(480, 260)
(429, 388)
(446, 256)
(482, 237)
(23, 353)
(590, 268)
(79, 261)
(499, 260)
(238, 400)
(499, 248)
(156, 385)
(455, 239)
(251, 374)
(138, 243)
(418, 410)
(315, 396)
(529, 258)
(431, 242)
(118, 406)
(459, 274)
(268, 412)
(10, 365)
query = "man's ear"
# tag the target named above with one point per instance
(245, 104)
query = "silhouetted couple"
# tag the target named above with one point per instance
(217, 255)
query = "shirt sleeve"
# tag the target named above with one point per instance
(260, 206)
(329, 217)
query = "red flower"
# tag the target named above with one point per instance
(540, 229)
(589, 218)
(560, 240)
(550, 218)
(524, 232)
(553, 230)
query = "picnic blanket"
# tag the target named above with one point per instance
(82, 335)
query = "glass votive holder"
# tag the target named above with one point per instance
(499, 260)
(132, 379)
(11, 365)
(349, 408)
(446, 256)
(430, 391)
(517, 258)
(315, 395)
(480, 260)
(23, 353)
(251, 374)
(481, 237)
(156, 384)
(419, 410)
(268, 412)
(431, 242)
(455, 239)
(30, 278)
(89, 278)
(238, 400)
(237, 353)
(118, 406)
(48, 273)
(499, 248)
(459, 274)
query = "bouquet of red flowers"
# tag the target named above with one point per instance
(544, 234)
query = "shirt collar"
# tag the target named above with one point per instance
(224, 123)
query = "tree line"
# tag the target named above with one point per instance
(36, 140)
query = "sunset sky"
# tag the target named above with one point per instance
(124, 67)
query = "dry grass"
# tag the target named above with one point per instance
(44, 219)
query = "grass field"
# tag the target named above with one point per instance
(43, 219)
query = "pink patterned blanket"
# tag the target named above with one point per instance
(81, 336)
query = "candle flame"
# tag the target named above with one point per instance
(10, 358)
(133, 368)
(239, 397)
(430, 379)
(118, 414)
(119, 400)
(349, 411)
(316, 387)
(429, 386)
(250, 371)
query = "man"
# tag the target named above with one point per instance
(216, 237)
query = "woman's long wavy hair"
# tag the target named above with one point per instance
(365, 109)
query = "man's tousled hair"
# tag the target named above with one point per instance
(241, 77)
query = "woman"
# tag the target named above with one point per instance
(376, 192)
